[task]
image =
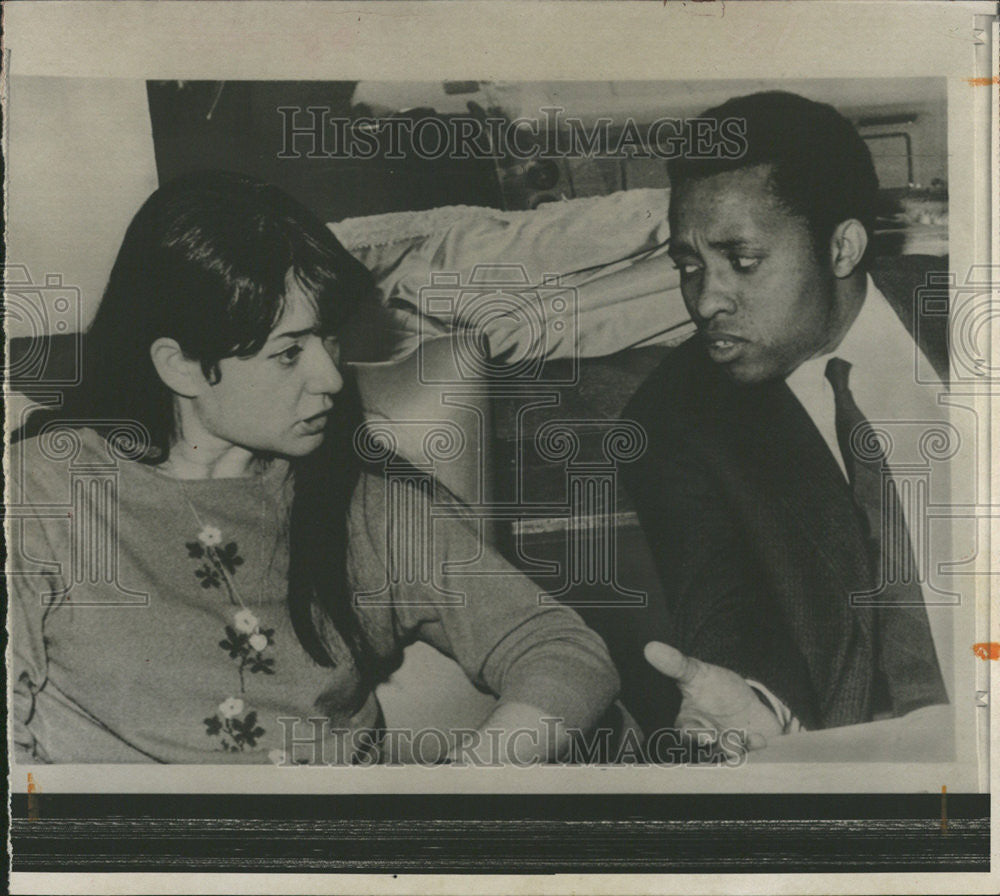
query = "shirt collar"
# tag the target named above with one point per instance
(866, 339)
(875, 339)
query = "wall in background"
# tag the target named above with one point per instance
(237, 125)
(80, 163)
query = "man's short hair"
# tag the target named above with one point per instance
(822, 170)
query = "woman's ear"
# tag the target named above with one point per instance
(847, 247)
(182, 375)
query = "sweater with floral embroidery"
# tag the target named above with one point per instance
(149, 619)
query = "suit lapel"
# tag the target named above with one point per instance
(787, 454)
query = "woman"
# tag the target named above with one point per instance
(241, 522)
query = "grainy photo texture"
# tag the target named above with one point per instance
(589, 437)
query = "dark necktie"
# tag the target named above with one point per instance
(909, 673)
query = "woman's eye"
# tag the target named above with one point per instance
(290, 355)
(744, 263)
(332, 347)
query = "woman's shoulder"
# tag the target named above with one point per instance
(39, 466)
(381, 491)
(386, 500)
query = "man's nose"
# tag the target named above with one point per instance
(715, 295)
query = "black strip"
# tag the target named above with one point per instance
(491, 834)
(567, 807)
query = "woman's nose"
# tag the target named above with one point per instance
(324, 375)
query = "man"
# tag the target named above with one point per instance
(761, 515)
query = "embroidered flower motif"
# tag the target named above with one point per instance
(278, 757)
(230, 707)
(245, 641)
(228, 556)
(210, 536)
(221, 560)
(249, 649)
(208, 577)
(234, 734)
(246, 623)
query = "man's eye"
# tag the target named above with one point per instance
(290, 355)
(687, 268)
(744, 263)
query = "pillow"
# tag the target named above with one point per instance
(584, 277)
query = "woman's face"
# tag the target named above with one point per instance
(278, 400)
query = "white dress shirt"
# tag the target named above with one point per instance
(883, 380)
(884, 361)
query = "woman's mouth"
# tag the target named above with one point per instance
(315, 424)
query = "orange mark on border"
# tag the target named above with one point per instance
(983, 82)
(32, 799)
(988, 650)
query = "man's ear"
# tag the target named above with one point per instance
(847, 247)
(182, 375)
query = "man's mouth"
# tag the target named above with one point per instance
(723, 346)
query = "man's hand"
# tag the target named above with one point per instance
(716, 698)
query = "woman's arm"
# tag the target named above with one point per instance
(552, 673)
(33, 571)
(27, 613)
(28, 666)
(513, 734)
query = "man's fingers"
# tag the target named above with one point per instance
(670, 661)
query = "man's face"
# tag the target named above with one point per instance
(750, 276)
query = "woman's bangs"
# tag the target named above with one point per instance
(335, 301)
(255, 307)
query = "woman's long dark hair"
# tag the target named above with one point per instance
(205, 262)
